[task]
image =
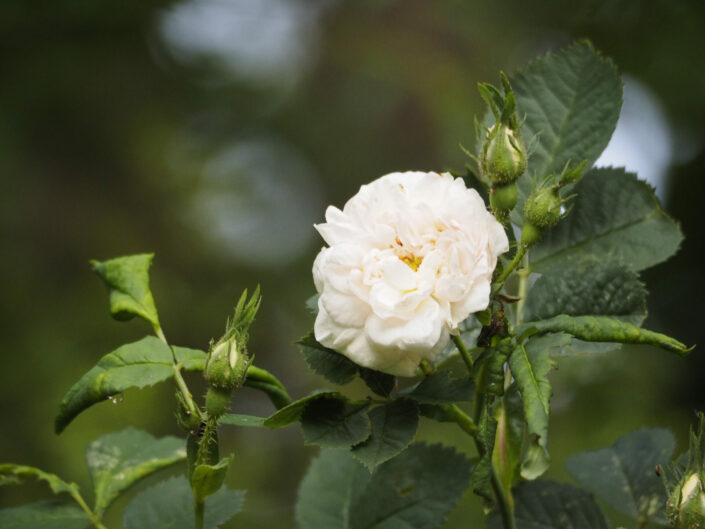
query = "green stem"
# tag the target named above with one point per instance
(462, 419)
(505, 510)
(522, 292)
(276, 394)
(95, 519)
(200, 508)
(463, 350)
(641, 522)
(510, 268)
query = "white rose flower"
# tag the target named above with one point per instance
(409, 258)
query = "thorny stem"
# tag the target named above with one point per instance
(95, 519)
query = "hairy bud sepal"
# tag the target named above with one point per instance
(543, 208)
(503, 157)
(503, 198)
(217, 401)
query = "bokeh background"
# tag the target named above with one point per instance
(215, 132)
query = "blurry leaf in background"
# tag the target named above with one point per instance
(48, 514)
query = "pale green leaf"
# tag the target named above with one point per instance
(530, 367)
(208, 479)
(11, 474)
(134, 365)
(415, 490)
(605, 329)
(118, 460)
(509, 436)
(169, 504)
(333, 366)
(393, 428)
(48, 514)
(334, 422)
(238, 419)
(550, 505)
(623, 475)
(615, 217)
(570, 102)
(127, 279)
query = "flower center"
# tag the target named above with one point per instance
(412, 261)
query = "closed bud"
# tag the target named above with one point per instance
(503, 156)
(543, 208)
(226, 365)
(689, 511)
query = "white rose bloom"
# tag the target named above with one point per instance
(409, 257)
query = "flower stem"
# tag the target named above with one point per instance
(200, 508)
(463, 350)
(462, 419)
(95, 519)
(510, 267)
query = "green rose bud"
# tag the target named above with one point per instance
(227, 363)
(689, 512)
(543, 208)
(503, 156)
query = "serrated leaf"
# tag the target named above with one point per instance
(11, 474)
(334, 422)
(530, 367)
(570, 102)
(118, 460)
(615, 217)
(415, 490)
(381, 383)
(333, 366)
(127, 279)
(206, 480)
(550, 505)
(393, 428)
(170, 504)
(588, 289)
(134, 365)
(605, 329)
(623, 474)
(441, 388)
(48, 514)
(292, 413)
(238, 419)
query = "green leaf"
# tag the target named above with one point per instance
(334, 422)
(530, 367)
(169, 504)
(615, 217)
(48, 514)
(238, 419)
(393, 428)
(550, 505)
(588, 289)
(127, 279)
(381, 383)
(118, 460)
(292, 412)
(623, 475)
(441, 388)
(11, 474)
(570, 101)
(133, 365)
(509, 436)
(605, 329)
(415, 490)
(206, 480)
(333, 366)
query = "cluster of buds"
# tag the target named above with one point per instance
(503, 153)
(546, 206)
(228, 360)
(685, 506)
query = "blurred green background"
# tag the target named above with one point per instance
(215, 132)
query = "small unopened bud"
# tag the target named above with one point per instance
(187, 419)
(227, 363)
(503, 156)
(690, 513)
(543, 208)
